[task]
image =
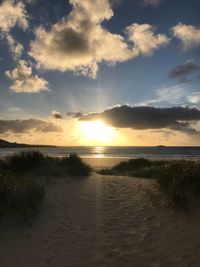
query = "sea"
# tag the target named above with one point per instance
(113, 152)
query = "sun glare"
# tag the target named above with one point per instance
(96, 131)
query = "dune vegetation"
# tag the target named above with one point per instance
(178, 180)
(24, 177)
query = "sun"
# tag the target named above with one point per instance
(96, 131)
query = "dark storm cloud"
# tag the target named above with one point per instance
(145, 117)
(182, 71)
(24, 126)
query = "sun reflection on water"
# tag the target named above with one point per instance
(98, 151)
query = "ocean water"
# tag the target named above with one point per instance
(113, 152)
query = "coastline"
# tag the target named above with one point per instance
(125, 153)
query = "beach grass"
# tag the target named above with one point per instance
(178, 180)
(23, 178)
(23, 161)
(20, 196)
(138, 167)
(74, 166)
(35, 163)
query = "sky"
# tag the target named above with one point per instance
(100, 72)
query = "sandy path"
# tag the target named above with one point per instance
(102, 221)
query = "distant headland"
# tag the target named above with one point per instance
(6, 144)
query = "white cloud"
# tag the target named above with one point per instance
(11, 14)
(172, 95)
(79, 42)
(24, 81)
(15, 47)
(188, 34)
(180, 94)
(144, 39)
(194, 98)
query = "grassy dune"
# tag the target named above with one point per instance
(24, 177)
(178, 180)
(23, 180)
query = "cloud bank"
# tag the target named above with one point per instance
(79, 42)
(24, 81)
(25, 126)
(146, 117)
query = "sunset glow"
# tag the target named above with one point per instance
(99, 115)
(96, 131)
(70, 67)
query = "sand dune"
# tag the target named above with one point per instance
(103, 221)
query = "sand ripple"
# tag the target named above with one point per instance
(103, 221)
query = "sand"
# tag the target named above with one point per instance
(103, 221)
(102, 162)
